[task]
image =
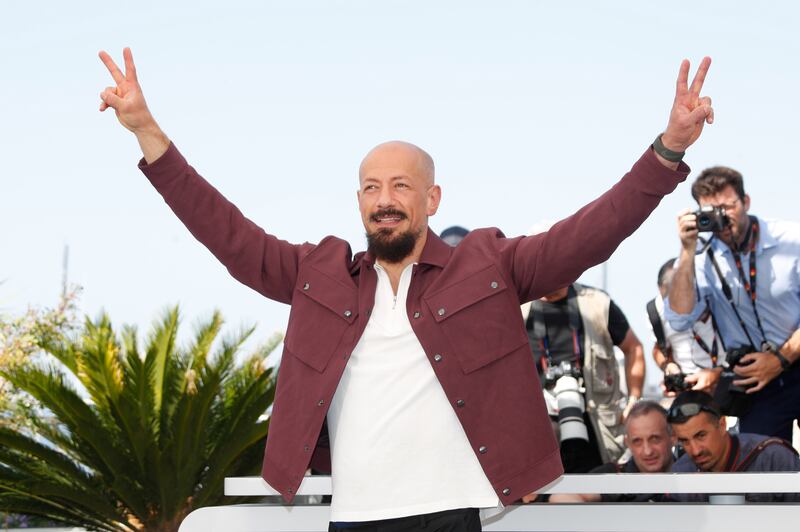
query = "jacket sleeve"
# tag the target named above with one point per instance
(543, 263)
(255, 258)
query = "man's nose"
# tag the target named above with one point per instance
(385, 198)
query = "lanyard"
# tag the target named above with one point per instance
(749, 287)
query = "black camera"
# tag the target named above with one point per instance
(731, 398)
(711, 219)
(553, 373)
(675, 382)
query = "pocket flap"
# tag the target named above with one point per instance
(460, 295)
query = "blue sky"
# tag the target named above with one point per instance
(530, 109)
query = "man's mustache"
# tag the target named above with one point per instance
(375, 217)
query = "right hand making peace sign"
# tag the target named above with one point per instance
(690, 111)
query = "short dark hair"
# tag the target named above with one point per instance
(663, 271)
(714, 180)
(702, 401)
(643, 408)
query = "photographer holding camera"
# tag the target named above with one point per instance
(572, 333)
(748, 271)
(689, 359)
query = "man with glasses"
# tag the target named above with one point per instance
(748, 272)
(699, 427)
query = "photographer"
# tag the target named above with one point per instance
(699, 427)
(748, 273)
(690, 358)
(572, 333)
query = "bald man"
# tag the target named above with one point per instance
(406, 369)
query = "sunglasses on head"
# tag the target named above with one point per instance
(680, 413)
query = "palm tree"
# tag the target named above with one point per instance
(132, 439)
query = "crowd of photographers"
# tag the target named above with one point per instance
(726, 339)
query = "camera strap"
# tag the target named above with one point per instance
(750, 287)
(713, 351)
(540, 328)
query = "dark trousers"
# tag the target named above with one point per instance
(461, 520)
(775, 407)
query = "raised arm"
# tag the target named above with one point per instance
(255, 258)
(127, 100)
(545, 262)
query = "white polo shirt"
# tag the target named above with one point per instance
(397, 447)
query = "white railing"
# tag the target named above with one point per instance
(727, 513)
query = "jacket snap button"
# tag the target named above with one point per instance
(306, 286)
(437, 357)
(494, 284)
(460, 403)
(416, 315)
(306, 448)
(321, 402)
(440, 312)
(482, 449)
(506, 491)
(347, 313)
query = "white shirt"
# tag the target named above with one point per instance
(686, 352)
(397, 447)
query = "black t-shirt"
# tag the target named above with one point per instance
(559, 334)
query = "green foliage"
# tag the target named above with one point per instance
(130, 437)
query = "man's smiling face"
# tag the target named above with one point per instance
(396, 196)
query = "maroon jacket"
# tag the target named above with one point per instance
(463, 305)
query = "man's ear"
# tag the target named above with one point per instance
(434, 196)
(746, 202)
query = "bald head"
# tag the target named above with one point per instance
(399, 154)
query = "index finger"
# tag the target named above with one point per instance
(683, 77)
(112, 67)
(700, 76)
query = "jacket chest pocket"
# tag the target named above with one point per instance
(322, 310)
(478, 318)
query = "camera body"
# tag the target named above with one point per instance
(675, 382)
(553, 373)
(731, 398)
(711, 219)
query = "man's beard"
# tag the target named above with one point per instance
(391, 249)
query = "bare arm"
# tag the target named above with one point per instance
(560, 498)
(634, 363)
(681, 289)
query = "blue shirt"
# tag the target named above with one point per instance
(777, 288)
